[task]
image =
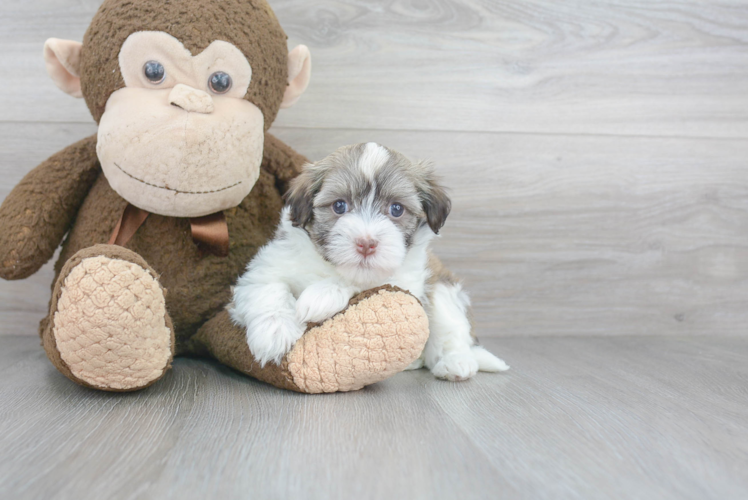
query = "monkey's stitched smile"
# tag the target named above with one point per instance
(176, 190)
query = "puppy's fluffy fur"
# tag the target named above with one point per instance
(360, 218)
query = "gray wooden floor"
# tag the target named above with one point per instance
(599, 418)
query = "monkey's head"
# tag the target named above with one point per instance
(183, 91)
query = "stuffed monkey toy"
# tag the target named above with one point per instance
(163, 208)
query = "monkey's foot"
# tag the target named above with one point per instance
(108, 327)
(380, 333)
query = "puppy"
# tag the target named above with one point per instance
(360, 218)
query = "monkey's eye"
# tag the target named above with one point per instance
(154, 71)
(340, 207)
(396, 210)
(219, 82)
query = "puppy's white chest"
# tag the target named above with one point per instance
(412, 279)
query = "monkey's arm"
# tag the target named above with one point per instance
(281, 161)
(40, 209)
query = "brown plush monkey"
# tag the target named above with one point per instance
(164, 208)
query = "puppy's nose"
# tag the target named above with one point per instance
(190, 99)
(366, 246)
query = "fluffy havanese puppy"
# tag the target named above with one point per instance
(360, 218)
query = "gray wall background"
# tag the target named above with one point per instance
(597, 153)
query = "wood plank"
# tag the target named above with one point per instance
(575, 418)
(676, 68)
(553, 235)
(612, 418)
(565, 235)
(252, 439)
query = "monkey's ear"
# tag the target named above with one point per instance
(63, 58)
(436, 203)
(299, 73)
(300, 196)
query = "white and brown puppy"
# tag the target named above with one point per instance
(360, 218)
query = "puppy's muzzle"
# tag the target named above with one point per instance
(366, 246)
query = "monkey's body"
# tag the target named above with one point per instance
(171, 142)
(166, 242)
(197, 284)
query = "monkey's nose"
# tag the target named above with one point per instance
(189, 99)
(366, 246)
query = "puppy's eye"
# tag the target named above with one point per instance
(340, 207)
(396, 210)
(154, 71)
(219, 82)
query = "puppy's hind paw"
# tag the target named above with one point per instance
(270, 338)
(456, 366)
(487, 362)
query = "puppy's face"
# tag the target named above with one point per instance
(363, 206)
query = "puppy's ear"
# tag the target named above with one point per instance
(436, 203)
(300, 195)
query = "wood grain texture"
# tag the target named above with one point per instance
(596, 155)
(553, 235)
(563, 233)
(574, 418)
(587, 235)
(676, 68)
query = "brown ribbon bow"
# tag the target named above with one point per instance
(209, 231)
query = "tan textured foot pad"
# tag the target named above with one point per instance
(110, 327)
(378, 335)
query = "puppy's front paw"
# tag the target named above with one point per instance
(271, 337)
(456, 366)
(321, 301)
